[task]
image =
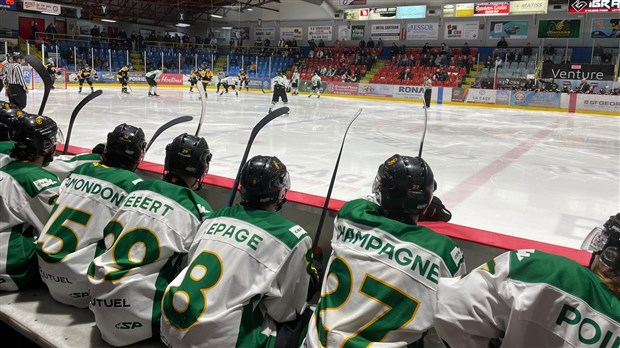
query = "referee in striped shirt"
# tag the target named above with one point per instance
(17, 88)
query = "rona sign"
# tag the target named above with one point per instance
(578, 72)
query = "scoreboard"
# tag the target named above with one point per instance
(8, 4)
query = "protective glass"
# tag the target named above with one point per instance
(596, 240)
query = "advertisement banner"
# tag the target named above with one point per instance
(593, 102)
(342, 88)
(385, 32)
(358, 32)
(422, 31)
(464, 10)
(578, 71)
(42, 7)
(320, 32)
(262, 33)
(508, 29)
(409, 12)
(265, 83)
(375, 90)
(136, 77)
(409, 92)
(9, 5)
(501, 8)
(502, 97)
(559, 28)
(529, 7)
(171, 79)
(472, 95)
(292, 33)
(538, 99)
(342, 3)
(604, 28)
(358, 14)
(583, 6)
(382, 13)
(461, 30)
(344, 33)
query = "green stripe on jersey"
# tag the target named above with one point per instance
(91, 157)
(273, 223)
(6, 147)
(184, 196)
(250, 327)
(531, 266)
(31, 177)
(119, 177)
(364, 212)
(21, 263)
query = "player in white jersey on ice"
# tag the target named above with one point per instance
(27, 195)
(528, 298)
(295, 80)
(151, 78)
(229, 82)
(316, 85)
(381, 280)
(88, 199)
(280, 85)
(249, 270)
(146, 242)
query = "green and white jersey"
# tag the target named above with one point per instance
(64, 164)
(248, 270)
(144, 245)
(381, 281)
(528, 298)
(88, 199)
(27, 194)
(5, 152)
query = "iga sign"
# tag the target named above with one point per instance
(492, 9)
(581, 6)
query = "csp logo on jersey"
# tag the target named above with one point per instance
(128, 325)
(43, 183)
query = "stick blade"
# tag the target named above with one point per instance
(74, 114)
(36, 64)
(165, 126)
(203, 105)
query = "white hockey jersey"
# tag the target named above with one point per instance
(230, 81)
(528, 298)
(381, 281)
(145, 242)
(5, 151)
(154, 74)
(295, 78)
(316, 81)
(88, 199)
(279, 80)
(27, 195)
(249, 269)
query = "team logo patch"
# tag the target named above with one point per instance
(297, 230)
(392, 161)
(43, 183)
(457, 255)
(39, 120)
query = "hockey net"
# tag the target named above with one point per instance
(36, 82)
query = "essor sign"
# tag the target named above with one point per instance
(171, 79)
(581, 6)
(42, 6)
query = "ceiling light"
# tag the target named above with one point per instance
(182, 25)
(227, 28)
(50, 13)
(108, 20)
(216, 15)
(250, 9)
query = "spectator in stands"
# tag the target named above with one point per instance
(323, 71)
(362, 44)
(549, 50)
(380, 43)
(394, 49)
(502, 43)
(437, 61)
(444, 61)
(598, 51)
(370, 44)
(530, 85)
(312, 44)
(321, 43)
(527, 50)
(583, 86)
(486, 83)
(345, 76)
(311, 54)
(425, 60)
(51, 32)
(511, 56)
(402, 49)
(405, 75)
(267, 42)
(444, 49)
(35, 29)
(426, 49)
(466, 50)
(320, 54)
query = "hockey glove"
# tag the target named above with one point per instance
(436, 211)
(99, 148)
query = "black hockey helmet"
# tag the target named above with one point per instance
(33, 135)
(404, 186)
(605, 242)
(8, 115)
(187, 155)
(278, 72)
(125, 147)
(264, 181)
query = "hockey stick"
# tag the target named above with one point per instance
(203, 105)
(315, 242)
(74, 114)
(424, 131)
(268, 118)
(165, 126)
(47, 79)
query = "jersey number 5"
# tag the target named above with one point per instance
(64, 234)
(401, 308)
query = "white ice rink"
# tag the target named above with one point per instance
(545, 176)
